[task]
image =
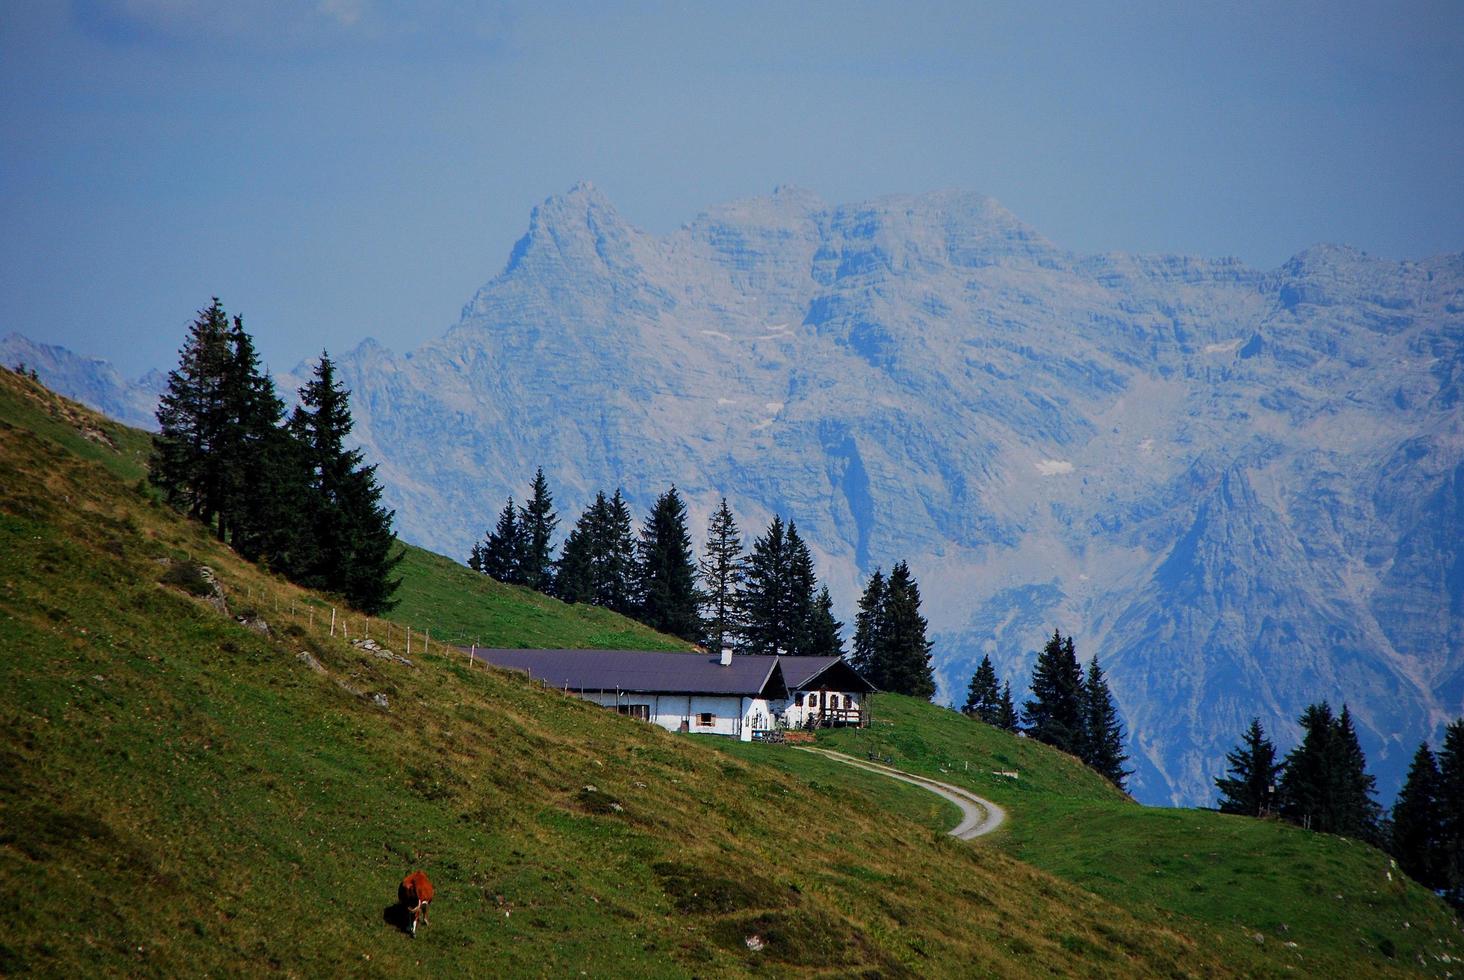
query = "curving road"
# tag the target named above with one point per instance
(978, 815)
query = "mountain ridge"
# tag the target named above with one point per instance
(1037, 431)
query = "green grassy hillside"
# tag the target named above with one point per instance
(186, 793)
(1267, 896)
(457, 605)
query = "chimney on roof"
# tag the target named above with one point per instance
(726, 656)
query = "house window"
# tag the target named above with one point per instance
(641, 711)
(833, 700)
(798, 700)
(706, 719)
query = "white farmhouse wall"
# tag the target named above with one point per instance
(731, 716)
(735, 717)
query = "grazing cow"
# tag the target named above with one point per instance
(415, 893)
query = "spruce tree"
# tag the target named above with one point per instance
(723, 573)
(354, 543)
(983, 698)
(538, 521)
(869, 629)
(1102, 731)
(1417, 826)
(1055, 713)
(1451, 811)
(264, 472)
(1250, 787)
(574, 578)
(1307, 781)
(825, 632)
(186, 464)
(904, 659)
(1357, 812)
(501, 550)
(1007, 718)
(765, 631)
(668, 592)
(797, 596)
(1325, 785)
(475, 557)
(616, 575)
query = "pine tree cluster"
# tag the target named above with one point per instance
(1075, 712)
(286, 493)
(765, 601)
(1069, 710)
(1427, 833)
(990, 702)
(890, 645)
(1323, 785)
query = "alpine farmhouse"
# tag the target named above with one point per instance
(737, 696)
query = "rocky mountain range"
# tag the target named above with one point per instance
(1242, 489)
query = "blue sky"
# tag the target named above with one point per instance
(348, 168)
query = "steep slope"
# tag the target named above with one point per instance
(1050, 439)
(188, 793)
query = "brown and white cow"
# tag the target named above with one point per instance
(415, 894)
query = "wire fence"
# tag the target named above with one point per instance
(357, 628)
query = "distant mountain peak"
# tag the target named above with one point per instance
(1236, 487)
(579, 227)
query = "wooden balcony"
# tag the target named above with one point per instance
(839, 718)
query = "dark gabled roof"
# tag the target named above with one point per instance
(644, 671)
(830, 673)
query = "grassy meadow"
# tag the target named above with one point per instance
(188, 794)
(1269, 897)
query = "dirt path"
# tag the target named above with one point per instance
(978, 815)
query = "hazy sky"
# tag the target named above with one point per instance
(357, 167)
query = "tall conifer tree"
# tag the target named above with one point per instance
(354, 543)
(1249, 788)
(797, 596)
(186, 464)
(264, 473)
(538, 522)
(722, 570)
(869, 629)
(502, 549)
(1007, 718)
(669, 597)
(1307, 781)
(1325, 785)
(575, 575)
(904, 660)
(983, 697)
(1358, 813)
(1451, 810)
(1102, 731)
(765, 630)
(1055, 713)
(825, 632)
(1417, 828)
(616, 577)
